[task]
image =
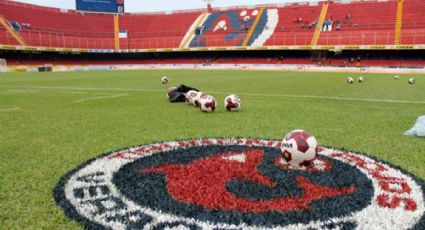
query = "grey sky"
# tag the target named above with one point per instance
(159, 5)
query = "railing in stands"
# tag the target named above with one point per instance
(59, 40)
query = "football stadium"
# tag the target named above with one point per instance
(203, 114)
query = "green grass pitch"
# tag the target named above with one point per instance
(52, 122)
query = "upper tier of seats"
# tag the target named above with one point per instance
(155, 30)
(68, 22)
(360, 22)
(51, 27)
(296, 24)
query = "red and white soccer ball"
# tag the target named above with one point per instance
(412, 81)
(232, 103)
(350, 80)
(299, 148)
(164, 80)
(198, 97)
(190, 97)
(207, 103)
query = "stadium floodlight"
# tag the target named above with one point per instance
(208, 2)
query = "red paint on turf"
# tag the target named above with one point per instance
(203, 183)
(396, 191)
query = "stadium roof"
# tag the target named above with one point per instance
(160, 5)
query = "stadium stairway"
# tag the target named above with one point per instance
(11, 31)
(117, 31)
(319, 25)
(259, 21)
(190, 34)
(398, 22)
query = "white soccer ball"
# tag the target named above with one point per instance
(299, 148)
(361, 79)
(190, 96)
(396, 77)
(196, 100)
(412, 81)
(232, 103)
(164, 80)
(207, 103)
(350, 80)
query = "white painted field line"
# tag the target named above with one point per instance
(84, 88)
(22, 91)
(74, 92)
(9, 110)
(65, 92)
(101, 97)
(224, 93)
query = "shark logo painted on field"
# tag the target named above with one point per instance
(238, 183)
(213, 173)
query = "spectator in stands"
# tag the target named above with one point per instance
(15, 25)
(338, 25)
(327, 25)
(312, 24)
(26, 25)
(348, 16)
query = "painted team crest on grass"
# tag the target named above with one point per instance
(239, 184)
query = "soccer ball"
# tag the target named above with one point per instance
(164, 80)
(207, 103)
(396, 77)
(412, 81)
(361, 79)
(232, 103)
(170, 91)
(190, 96)
(350, 80)
(299, 148)
(196, 100)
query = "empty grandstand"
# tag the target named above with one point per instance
(315, 26)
